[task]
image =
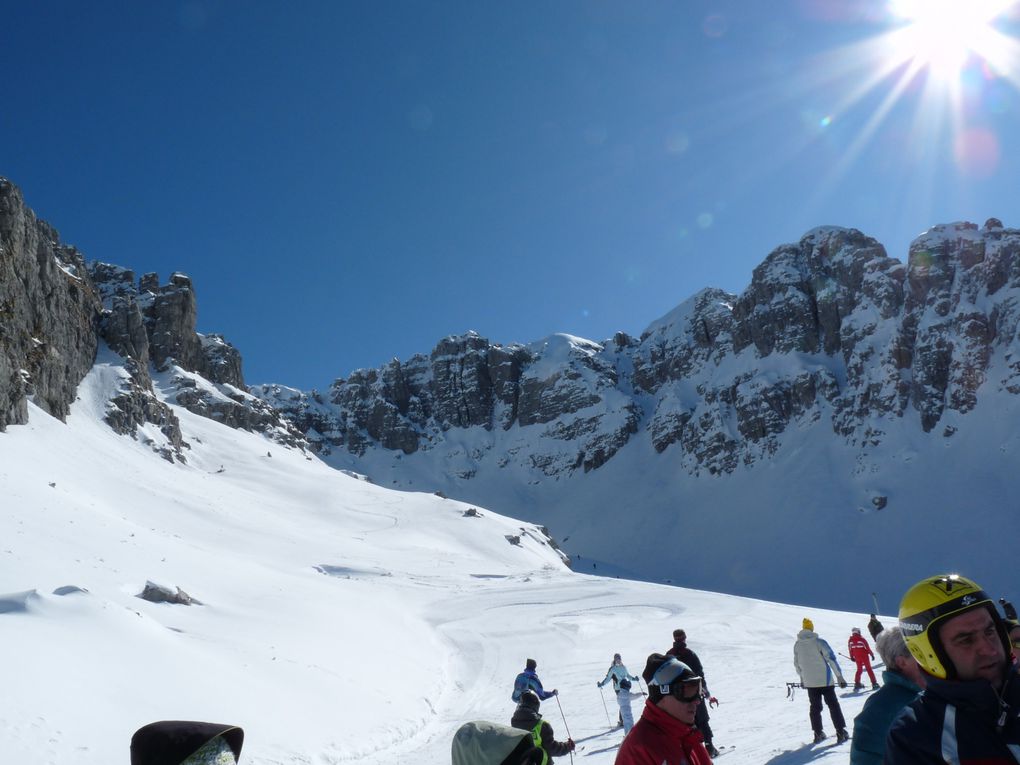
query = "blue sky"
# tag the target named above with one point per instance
(350, 182)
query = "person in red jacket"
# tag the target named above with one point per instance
(665, 734)
(860, 651)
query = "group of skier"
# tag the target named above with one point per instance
(680, 669)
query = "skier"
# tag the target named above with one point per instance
(815, 663)
(688, 657)
(861, 654)
(529, 679)
(527, 717)
(617, 672)
(875, 627)
(666, 733)
(183, 742)
(624, 696)
(486, 743)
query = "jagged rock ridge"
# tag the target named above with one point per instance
(831, 330)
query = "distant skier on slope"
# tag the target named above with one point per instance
(861, 654)
(527, 717)
(529, 679)
(688, 657)
(617, 672)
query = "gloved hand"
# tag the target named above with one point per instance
(842, 683)
(598, 683)
(557, 693)
(713, 701)
(571, 744)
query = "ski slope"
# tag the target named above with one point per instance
(339, 621)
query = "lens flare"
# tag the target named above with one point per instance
(941, 36)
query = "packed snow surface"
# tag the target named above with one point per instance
(339, 621)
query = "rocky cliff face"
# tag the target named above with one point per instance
(49, 314)
(831, 331)
(55, 310)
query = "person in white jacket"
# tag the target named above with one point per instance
(817, 667)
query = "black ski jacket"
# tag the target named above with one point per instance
(527, 719)
(688, 657)
(958, 722)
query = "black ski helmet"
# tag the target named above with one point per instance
(625, 684)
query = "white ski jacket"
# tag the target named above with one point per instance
(815, 662)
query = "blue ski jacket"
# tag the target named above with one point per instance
(528, 679)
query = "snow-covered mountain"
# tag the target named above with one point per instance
(844, 410)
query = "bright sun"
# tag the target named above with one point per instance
(941, 35)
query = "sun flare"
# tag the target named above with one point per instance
(941, 36)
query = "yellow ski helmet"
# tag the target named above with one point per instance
(925, 607)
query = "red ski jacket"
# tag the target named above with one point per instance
(659, 739)
(858, 648)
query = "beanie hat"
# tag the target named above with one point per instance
(531, 664)
(808, 624)
(856, 630)
(530, 700)
(174, 742)
(625, 684)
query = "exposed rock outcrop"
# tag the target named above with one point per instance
(49, 314)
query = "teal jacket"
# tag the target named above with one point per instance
(871, 726)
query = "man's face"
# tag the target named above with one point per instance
(973, 646)
(683, 711)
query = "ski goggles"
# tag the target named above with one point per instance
(676, 679)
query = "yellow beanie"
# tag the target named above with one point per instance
(808, 624)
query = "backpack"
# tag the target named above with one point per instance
(485, 743)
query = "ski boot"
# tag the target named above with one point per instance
(712, 751)
(819, 736)
(858, 686)
(842, 735)
(874, 686)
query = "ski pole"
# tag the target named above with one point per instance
(603, 695)
(565, 726)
